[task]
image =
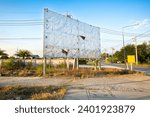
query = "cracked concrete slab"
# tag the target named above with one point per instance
(123, 87)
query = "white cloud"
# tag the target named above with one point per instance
(142, 24)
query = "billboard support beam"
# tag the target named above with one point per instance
(77, 63)
(100, 59)
(44, 66)
(44, 58)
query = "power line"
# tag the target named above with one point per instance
(20, 20)
(114, 32)
(137, 36)
(25, 22)
(19, 13)
(20, 38)
(21, 24)
(141, 35)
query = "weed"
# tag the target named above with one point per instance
(33, 93)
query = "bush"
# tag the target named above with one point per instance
(62, 65)
(82, 62)
(12, 64)
(29, 66)
(39, 70)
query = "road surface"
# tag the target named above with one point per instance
(146, 70)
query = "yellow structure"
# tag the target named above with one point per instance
(131, 58)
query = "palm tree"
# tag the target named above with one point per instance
(3, 54)
(23, 53)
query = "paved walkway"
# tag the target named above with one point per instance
(116, 88)
(112, 88)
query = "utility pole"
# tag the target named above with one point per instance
(124, 52)
(112, 54)
(136, 51)
(100, 64)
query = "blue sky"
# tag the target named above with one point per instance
(112, 14)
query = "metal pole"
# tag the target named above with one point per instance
(136, 52)
(44, 66)
(112, 55)
(131, 67)
(77, 63)
(100, 61)
(67, 63)
(124, 53)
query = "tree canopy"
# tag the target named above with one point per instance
(3, 54)
(23, 54)
(143, 53)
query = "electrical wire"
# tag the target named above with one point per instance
(20, 38)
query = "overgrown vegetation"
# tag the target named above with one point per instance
(143, 54)
(32, 93)
(15, 67)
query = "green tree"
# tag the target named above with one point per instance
(119, 55)
(104, 56)
(3, 54)
(23, 54)
(143, 53)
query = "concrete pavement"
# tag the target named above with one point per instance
(115, 88)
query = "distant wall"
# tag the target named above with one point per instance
(48, 61)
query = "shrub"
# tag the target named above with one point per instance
(12, 64)
(62, 65)
(82, 61)
(29, 66)
(39, 70)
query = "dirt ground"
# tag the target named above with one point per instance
(123, 87)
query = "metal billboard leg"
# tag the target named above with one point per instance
(44, 67)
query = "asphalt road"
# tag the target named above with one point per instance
(146, 70)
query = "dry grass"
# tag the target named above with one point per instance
(32, 93)
(88, 73)
(54, 96)
(63, 72)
